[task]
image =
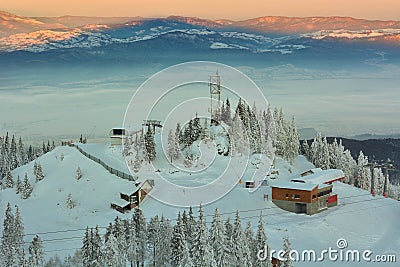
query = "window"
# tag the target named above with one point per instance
(287, 195)
(297, 196)
(314, 196)
(292, 195)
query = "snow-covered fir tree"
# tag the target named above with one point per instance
(150, 145)
(240, 249)
(293, 143)
(9, 180)
(305, 148)
(238, 137)
(18, 185)
(87, 249)
(378, 181)
(26, 188)
(261, 243)
(8, 254)
(249, 234)
(38, 172)
(137, 163)
(118, 230)
(36, 253)
(173, 147)
(111, 252)
(363, 172)
(19, 237)
(218, 241)
(229, 241)
(132, 244)
(141, 235)
(202, 253)
(286, 259)
(78, 173)
(180, 255)
(153, 238)
(190, 229)
(163, 246)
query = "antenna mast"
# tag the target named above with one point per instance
(215, 94)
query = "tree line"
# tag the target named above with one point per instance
(357, 172)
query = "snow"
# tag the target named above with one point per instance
(366, 222)
(322, 176)
(294, 185)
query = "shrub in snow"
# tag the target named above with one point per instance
(70, 202)
(62, 157)
(78, 173)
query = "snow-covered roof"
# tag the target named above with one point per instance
(295, 185)
(319, 176)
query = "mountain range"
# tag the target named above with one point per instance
(260, 35)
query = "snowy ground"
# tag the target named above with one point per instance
(366, 222)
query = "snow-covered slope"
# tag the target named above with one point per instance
(366, 222)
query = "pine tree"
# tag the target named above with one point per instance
(379, 181)
(218, 241)
(137, 164)
(293, 143)
(18, 185)
(251, 256)
(190, 229)
(8, 250)
(36, 253)
(118, 230)
(111, 252)
(229, 241)
(150, 145)
(9, 181)
(172, 145)
(238, 137)
(270, 126)
(163, 246)
(87, 249)
(286, 259)
(363, 172)
(96, 248)
(349, 166)
(26, 188)
(141, 235)
(305, 149)
(132, 244)
(38, 172)
(261, 244)
(78, 174)
(153, 237)
(19, 237)
(240, 250)
(180, 255)
(325, 157)
(202, 253)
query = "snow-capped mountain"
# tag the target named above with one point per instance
(12, 24)
(267, 34)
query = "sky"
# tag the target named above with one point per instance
(216, 9)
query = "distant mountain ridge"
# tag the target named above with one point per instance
(13, 24)
(253, 36)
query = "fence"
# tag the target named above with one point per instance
(116, 172)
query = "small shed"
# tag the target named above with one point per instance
(117, 134)
(129, 201)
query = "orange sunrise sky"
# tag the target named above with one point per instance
(217, 9)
